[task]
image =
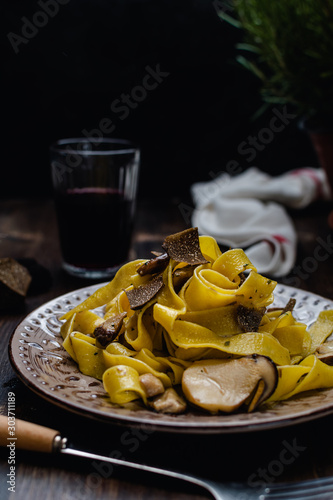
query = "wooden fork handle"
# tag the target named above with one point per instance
(26, 435)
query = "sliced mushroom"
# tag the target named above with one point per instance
(326, 358)
(108, 331)
(181, 275)
(151, 384)
(226, 384)
(155, 265)
(169, 402)
(325, 352)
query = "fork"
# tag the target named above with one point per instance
(300, 490)
(314, 489)
(29, 436)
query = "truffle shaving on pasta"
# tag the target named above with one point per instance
(193, 327)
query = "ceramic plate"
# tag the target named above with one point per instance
(41, 362)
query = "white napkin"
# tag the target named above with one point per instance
(246, 211)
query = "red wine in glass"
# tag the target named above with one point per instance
(95, 227)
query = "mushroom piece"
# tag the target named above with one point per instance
(155, 265)
(108, 331)
(181, 275)
(151, 384)
(226, 384)
(325, 352)
(168, 402)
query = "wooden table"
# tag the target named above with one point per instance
(30, 229)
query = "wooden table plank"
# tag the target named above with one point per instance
(300, 451)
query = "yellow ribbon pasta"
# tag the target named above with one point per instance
(196, 320)
(125, 277)
(136, 333)
(209, 289)
(122, 383)
(311, 373)
(185, 334)
(140, 366)
(321, 329)
(291, 334)
(89, 357)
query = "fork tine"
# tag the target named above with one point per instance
(308, 490)
(323, 496)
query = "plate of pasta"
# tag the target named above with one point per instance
(192, 339)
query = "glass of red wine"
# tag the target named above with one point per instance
(95, 186)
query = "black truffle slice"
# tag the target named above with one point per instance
(14, 283)
(185, 247)
(289, 306)
(249, 318)
(107, 331)
(142, 294)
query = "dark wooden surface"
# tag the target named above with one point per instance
(28, 230)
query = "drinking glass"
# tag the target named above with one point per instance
(95, 190)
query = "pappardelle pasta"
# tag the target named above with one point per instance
(193, 326)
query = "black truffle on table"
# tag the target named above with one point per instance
(14, 283)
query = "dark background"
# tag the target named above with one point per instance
(70, 71)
